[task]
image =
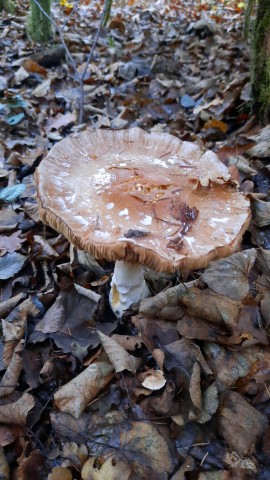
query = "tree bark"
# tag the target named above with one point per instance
(260, 73)
(39, 27)
(7, 5)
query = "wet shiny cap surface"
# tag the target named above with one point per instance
(144, 198)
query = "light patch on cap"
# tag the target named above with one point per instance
(160, 162)
(110, 205)
(103, 235)
(123, 212)
(147, 220)
(102, 177)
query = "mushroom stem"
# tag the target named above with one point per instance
(128, 287)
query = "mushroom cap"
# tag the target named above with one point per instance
(143, 198)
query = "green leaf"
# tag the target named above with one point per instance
(10, 264)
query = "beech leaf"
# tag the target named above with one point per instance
(229, 276)
(10, 264)
(119, 357)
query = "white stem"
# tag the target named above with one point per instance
(128, 287)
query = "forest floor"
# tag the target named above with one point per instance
(179, 390)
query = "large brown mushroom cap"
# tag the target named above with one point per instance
(143, 198)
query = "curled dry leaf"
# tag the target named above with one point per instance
(159, 356)
(12, 373)
(243, 164)
(45, 249)
(210, 403)
(74, 397)
(14, 325)
(241, 424)
(261, 150)
(15, 413)
(195, 386)
(229, 276)
(7, 305)
(95, 297)
(87, 260)
(119, 357)
(166, 305)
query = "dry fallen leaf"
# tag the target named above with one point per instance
(195, 386)
(9, 433)
(213, 307)
(146, 447)
(118, 356)
(42, 89)
(261, 213)
(75, 395)
(12, 373)
(14, 324)
(229, 276)
(61, 121)
(15, 413)
(166, 305)
(240, 424)
(12, 243)
(7, 305)
(128, 342)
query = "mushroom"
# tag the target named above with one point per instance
(140, 198)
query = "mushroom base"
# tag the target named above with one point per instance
(128, 287)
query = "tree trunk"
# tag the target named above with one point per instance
(39, 27)
(7, 5)
(261, 61)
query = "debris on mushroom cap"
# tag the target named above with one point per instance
(143, 198)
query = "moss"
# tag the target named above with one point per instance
(39, 27)
(7, 5)
(260, 71)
